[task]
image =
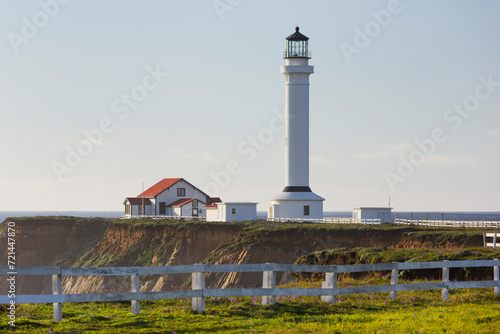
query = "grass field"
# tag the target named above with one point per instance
(466, 311)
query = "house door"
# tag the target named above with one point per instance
(195, 212)
(163, 208)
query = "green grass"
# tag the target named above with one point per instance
(257, 225)
(466, 311)
(363, 255)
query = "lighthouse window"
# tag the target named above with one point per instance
(233, 211)
(306, 210)
(297, 49)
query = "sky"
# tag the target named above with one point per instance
(99, 97)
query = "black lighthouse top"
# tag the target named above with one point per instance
(296, 46)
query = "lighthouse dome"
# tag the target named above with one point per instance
(296, 46)
(297, 36)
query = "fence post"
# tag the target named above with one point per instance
(446, 279)
(268, 282)
(496, 290)
(198, 303)
(56, 290)
(495, 240)
(330, 282)
(394, 280)
(135, 287)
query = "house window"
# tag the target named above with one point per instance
(163, 208)
(195, 203)
(233, 211)
(141, 209)
(128, 209)
(181, 192)
(306, 210)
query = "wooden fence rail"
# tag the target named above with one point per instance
(328, 292)
(495, 236)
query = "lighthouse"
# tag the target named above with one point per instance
(296, 201)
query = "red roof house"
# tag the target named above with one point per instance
(174, 197)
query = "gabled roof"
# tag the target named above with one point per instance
(163, 185)
(181, 202)
(212, 200)
(159, 187)
(137, 201)
(210, 206)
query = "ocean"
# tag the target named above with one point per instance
(445, 215)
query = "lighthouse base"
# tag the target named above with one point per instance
(296, 205)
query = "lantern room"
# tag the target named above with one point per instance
(296, 46)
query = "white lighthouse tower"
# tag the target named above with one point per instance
(297, 200)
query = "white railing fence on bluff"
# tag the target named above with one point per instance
(328, 292)
(162, 217)
(329, 220)
(322, 220)
(448, 223)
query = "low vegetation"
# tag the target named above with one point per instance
(466, 311)
(351, 256)
(388, 255)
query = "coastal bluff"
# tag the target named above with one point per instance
(98, 242)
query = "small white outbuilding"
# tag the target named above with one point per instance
(231, 211)
(382, 213)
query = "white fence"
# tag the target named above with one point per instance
(448, 223)
(320, 220)
(328, 292)
(162, 217)
(417, 222)
(329, 220)
(493, 244)
(352, 221)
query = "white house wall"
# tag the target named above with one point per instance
(170, 195)
(212, 215)
(243, 212)
(177, 211)
(224, 212)
(295, 209)
(372, 213)
(135, 210)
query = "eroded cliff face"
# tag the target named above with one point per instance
(82, 242)
(153, 244)
(49, 241)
